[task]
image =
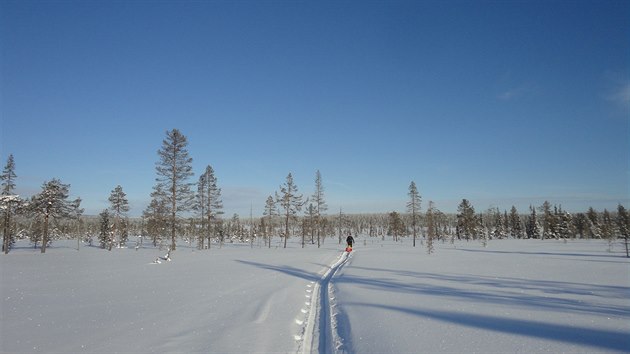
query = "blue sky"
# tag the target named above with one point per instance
(500, 102)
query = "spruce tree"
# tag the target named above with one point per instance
(174, 168)
(516, 230)
(9, 203)
(432, 227)
(533, 228)
(209, 204)
(119, 205)
(467, 222)
(592, 226)
(105, 233)
(623, 226)
(413, 208)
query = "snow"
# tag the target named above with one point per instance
(512, 296)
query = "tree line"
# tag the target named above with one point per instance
(193, 211)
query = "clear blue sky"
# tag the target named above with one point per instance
(500, 102)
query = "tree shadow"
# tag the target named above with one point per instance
(604, 339)
(289, 270)
(505, 291)
(558, 254)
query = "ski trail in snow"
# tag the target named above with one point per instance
(320, 334)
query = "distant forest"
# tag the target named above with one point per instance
(192, 211)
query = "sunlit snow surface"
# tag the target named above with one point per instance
(512, 296)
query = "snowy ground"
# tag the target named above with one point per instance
(512, 296)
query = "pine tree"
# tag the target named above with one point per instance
(119, 205)
(290, 202)
(320, 206)
(173, 171)
(156, 215)
(396, 226)
(53, 202)
(592, 226)
(413, 208)
(269, 213)
(432, 227)
(9, 203)
(623, 226)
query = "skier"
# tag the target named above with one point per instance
(349, 241)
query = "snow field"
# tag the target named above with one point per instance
(513, 296)
(384, 297)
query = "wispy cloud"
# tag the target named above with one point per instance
(621, 95)
(515, 92)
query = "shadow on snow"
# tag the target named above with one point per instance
(606, 339)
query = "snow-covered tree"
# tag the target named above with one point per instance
(515, 227)
(119, 206)
(174, 168)
(105, 235)
(592, 224)
(608, 228)
(53, 202)
(413, 208)
(532, 228)
(290, 201)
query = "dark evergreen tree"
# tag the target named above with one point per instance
(532, 228)
(467, 222)
(9, 203)
(580, 225)
(413, 208)
(432, 227)
(608, 228)
(515, 227)
(209, 204)
(119, 206)
(623, 226)
(105, 234)
(592, 226)
(174, 168)
(548, 221)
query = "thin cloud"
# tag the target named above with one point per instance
(515, 92)
(621, 95)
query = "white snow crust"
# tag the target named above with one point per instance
(512, 296)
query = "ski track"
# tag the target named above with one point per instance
(318, 323)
